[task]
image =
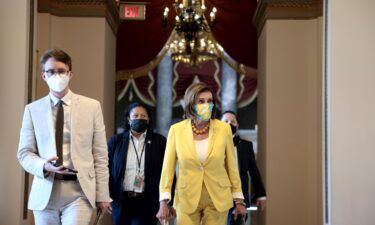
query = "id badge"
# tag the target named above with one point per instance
(138, 184)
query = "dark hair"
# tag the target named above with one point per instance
(58, 55)
(129, 110)
(191, 94)
(228, 111)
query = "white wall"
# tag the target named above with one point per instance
(14, 21)
(89, 41)
(109, 80)
(352, 110)
(289, 118)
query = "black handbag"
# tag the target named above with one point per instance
(240, 220)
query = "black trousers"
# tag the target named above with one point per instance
(136, 211)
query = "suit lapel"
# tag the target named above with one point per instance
(236, 140)
(74, 119)
(122, 156)
(211, 138)
(147, 151)
(47, 115)
(239, 156)
(190, 140)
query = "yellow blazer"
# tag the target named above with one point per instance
(219, 172)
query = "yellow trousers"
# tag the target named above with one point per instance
(205, 214)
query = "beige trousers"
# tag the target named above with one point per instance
(68, 205)
(205, 214)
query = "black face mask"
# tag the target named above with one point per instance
(139, 125)
(233, 128)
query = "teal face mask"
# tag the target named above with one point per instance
(203, 111)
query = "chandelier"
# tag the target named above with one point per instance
(192, 42)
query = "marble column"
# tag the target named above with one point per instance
(164, 102)
(228, 88)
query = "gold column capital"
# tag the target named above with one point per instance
(286, 10)
(83, 8)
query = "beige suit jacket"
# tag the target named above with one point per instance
(89, 153)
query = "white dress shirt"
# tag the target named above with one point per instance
(67, 99)
(131, 170)
(201, 147)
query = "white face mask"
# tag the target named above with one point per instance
(58, 83)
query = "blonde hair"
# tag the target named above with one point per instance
(191, 94)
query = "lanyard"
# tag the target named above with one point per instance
(139, 159)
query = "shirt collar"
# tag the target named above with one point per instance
(141, 138)
(67, 99)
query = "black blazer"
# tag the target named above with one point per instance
(154, 155)
(247, 164)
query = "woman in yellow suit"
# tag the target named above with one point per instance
(208, 181)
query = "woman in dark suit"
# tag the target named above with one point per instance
(135, 163)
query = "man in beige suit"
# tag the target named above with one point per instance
(63, 144)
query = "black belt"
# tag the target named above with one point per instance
(59, 176)
(132, 194)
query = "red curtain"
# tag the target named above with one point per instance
(234, 29)
(139, 42)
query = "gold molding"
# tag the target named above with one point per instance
(82, 8)
(286, 10)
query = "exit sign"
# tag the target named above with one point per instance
(133, 11)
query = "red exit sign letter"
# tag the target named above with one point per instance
(132, 11)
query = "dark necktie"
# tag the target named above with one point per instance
(59, 131)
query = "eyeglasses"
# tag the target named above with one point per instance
(60, 72)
